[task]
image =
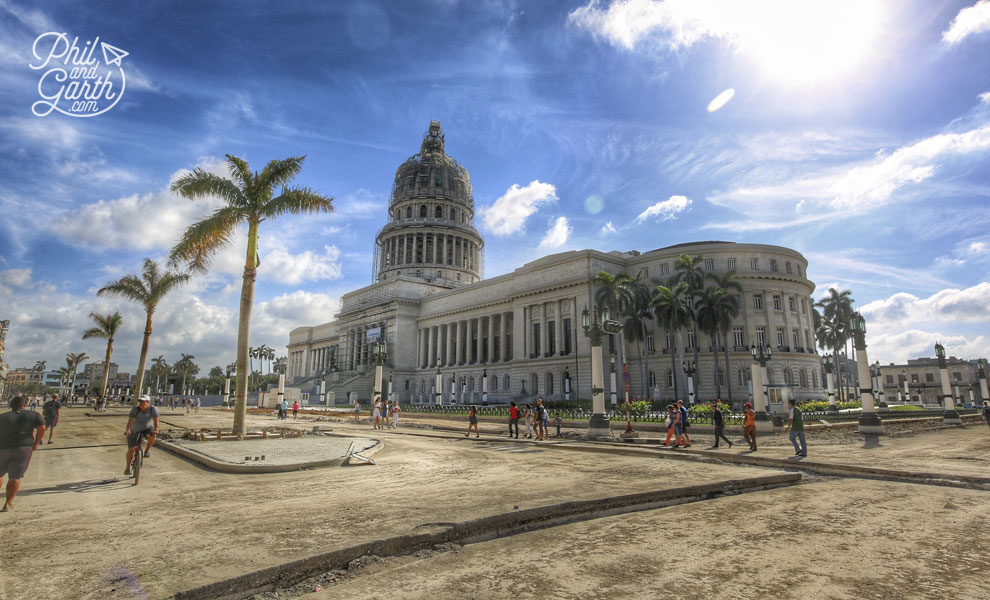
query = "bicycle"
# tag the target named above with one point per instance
(138, 460)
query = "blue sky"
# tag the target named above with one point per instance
(858, 133)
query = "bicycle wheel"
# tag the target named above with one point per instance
(138, 461)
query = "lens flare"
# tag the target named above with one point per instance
(721, 100)
(594, 204)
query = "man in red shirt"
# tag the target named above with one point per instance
(513, 419)
(749, 427)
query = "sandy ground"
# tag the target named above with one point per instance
(848, 539)
(79, 529)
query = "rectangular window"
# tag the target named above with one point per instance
(804, 306)
(536, 339)
(692, 341)
(737, 337)
(799, 270)
(914, 378)
(567, 336)
(731, 264)
(773, 265)
(669, 341)
(650, 346)
(551, 337)
(709, 264)
(794, 338)
(757, 302)
(890, 379)
(807, 340)
(957, 376)
(776, 303)
(790, 304)
(761, 336)
(780, 337)
(787, 266)
(663, 269)
(929, 378)
(754, 264)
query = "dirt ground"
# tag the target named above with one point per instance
(81, 530)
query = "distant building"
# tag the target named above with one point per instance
(94, 371)
(924, 380)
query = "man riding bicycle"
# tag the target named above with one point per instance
(142, 419)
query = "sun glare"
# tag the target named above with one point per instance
(721, 100)
(801, 42)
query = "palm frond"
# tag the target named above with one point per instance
(279, 173)
(298, 200)
(239, 168)
(203, 238)
(201, 184)
(128, 286)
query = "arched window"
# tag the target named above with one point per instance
(743, 377)
(453, 215)
(549, 383)
(408, 212)
(505, 383)
(814, 379)
(787, 377)
(769, 377)
(470, 384)
(440, 274)
(804, 378)
(534, 382)
(653, 379)
(439, 212)
(721, 377)
(670, 379)
(422, 210)
(494, 383)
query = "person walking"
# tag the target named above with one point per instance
(295, 409)
(795, 425)
(749, 427)
(395, 414)
(540, 412)
(670, 424)
(376, 412)
(719, 424)
(513, 419)
(678, 429)
(559, 421)
(546, 421)
(986, 411)
(357, 411)
(528, 419)
(473, 422)
(684, 423)
(51, 411)
(21, 431)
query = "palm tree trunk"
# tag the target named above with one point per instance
(106, 369)
(718, 388)
(642, 358)
(244, 328)
(139, 384)
(728, 372)
(696, 376)
(673, 371)
(680, 352)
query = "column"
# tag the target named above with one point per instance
(477, 340)
(450, 344)
(544, 334)
(559, 327)
(491, 338)
(431, 358)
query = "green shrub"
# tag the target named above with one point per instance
(639, 406)
(820, 405)
(706, 408)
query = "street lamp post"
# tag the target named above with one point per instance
(389, 386)
(949, 415)
(869, 421)
(878, 386)
(982, 373)
(761, 356)
(611, 366)
(453, 388)
(380, 350)
(595, 324)
(438, 385)
(690, 369)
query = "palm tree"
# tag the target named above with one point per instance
(106, 328)
(147, 289)
(75, 360)
(185, 367)
(727, 281)
(40, 365)
(159, 367)
(716, 309)
(63, 378)
(249, 199)
(618, 293)
(837, 308)
(673, 313)
(280, 364)
(689, 269)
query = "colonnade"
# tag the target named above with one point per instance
(429, 248)
(484, 339)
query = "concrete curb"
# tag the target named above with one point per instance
(466, 532)
(226, 467)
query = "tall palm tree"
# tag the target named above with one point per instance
(40, 365)
(146, 289)
(75, 360)
(728, 282)
(159, 367)
(618, 294)
(185, 367)
(63, 378)
(837, 307)
(716, 309)
(690, 270)
(831, 335)
(637, 312)
(106, 328)
(673, 313)
(249, 198)
(280, 364)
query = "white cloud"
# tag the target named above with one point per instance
(970, 20)
(557, 235)
(984, 97)
(665, 210)
(607, 228)
(850, 266)
(19, 278)
(509, 213)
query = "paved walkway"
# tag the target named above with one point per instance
(278, 451)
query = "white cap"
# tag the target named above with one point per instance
(144, 398)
